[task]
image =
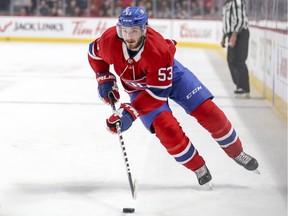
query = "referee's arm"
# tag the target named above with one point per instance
(239, 16)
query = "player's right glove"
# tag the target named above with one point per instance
(124, 116)
(107, 83)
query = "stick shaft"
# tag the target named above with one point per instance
(125, 156)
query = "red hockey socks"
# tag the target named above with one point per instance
(214, 120)
(175, 141)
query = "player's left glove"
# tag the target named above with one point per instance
(107, 83)
(125, 116)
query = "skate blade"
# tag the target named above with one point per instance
(208, 186)
(243, 96)
(257, 171)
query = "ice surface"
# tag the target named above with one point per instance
(57, 159)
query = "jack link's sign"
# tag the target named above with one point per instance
(53, 27)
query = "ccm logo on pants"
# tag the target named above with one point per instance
(193, 92)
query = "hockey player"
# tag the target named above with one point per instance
(149, 73)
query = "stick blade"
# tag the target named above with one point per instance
(135, 189)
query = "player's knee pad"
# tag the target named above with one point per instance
(169, 132)
(210, 116)
(172, 137)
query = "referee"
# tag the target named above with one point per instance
(235, 29)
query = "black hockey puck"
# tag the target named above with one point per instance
(128, 210)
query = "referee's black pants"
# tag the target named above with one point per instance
(236, 58)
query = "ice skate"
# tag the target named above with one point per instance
(203, 175)
(247, 161)
(240, 93)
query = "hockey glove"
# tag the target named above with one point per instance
(124, 116)
(107, 83)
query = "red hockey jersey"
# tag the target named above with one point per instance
(149, 71)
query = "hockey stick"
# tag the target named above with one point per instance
(133, 185)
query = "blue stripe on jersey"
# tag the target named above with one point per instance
(159, 92)
(91, 52)
(186, 155)
(228, 139)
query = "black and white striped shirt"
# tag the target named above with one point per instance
(234, 17)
